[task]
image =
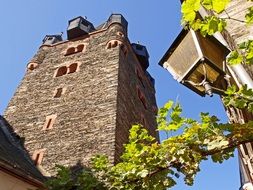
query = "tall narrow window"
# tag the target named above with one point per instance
(49, 123)
(61, 71)
(38, 156)
(50, 120)
(72, 68)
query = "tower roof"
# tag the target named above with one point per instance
(13, 157)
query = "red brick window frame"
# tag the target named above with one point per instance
(59, 92)
(32, 66)
(38, 156)
(61, 71)
(50, 120)
(67, 69)
(70, 51)
(77, 49)
(80, 48)
(72, 68)
(142, 98)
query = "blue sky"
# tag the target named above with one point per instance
(153, 23)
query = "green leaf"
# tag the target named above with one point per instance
(250, 107)
(216, 5)
(219, 5)
(235, 58)
(212, 24)
(207, 4)
(249, 16)
(168, 105)
(231, 90)
(189, 8)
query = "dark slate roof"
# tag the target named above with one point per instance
(101, 26)
(14, 157)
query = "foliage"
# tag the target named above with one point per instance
(146, 164)
(65, 180)
(212, 24)
(209, 25)
(242, 98)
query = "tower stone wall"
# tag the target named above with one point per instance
(73, 105)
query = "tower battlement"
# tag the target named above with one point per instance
(80, 96)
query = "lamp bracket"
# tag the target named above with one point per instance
(203, 81)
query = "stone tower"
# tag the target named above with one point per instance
(80, 96)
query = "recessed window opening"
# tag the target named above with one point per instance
(61, 71)
(32, 66)
(50, 120)
(49, 123)
(80, 48)
(114, 44)
(70, 51)
(109, 45)
(72, 68)
(38, 156)
(58, 93)
(37, 159)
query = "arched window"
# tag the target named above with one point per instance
(61, 71)
(72, 68)
(70, 51)
(109, 45)
(114, 43)
(79, 48)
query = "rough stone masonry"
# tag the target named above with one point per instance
(98, 99)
